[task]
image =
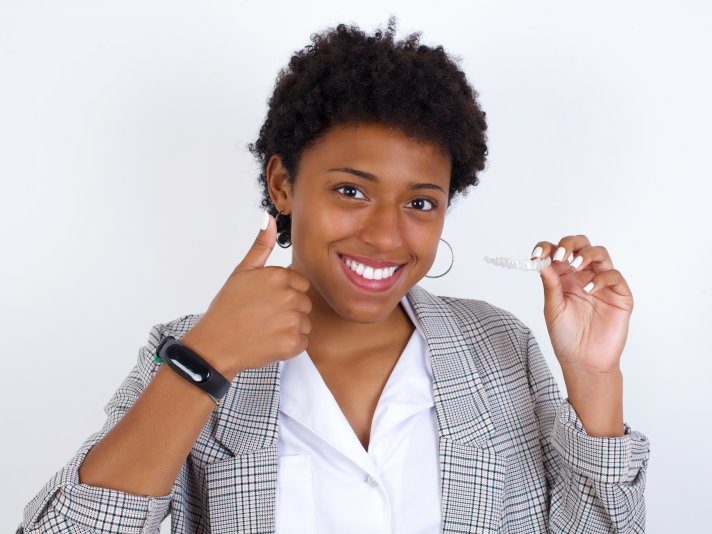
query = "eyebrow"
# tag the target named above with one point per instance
(373, 178)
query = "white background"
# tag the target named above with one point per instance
(128, 194)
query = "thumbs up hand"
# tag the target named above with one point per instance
(259, 316)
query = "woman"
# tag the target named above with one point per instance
(350, 399)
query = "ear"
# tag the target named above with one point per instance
(280, 190)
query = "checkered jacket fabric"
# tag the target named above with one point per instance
(514, 457)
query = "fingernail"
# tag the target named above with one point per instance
(577, 262)
(265, 221)
(588, 287)
(559, 254)
(536, 253)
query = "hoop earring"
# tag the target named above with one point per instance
(284, 239)
(451, 261)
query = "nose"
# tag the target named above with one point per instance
(382, 229)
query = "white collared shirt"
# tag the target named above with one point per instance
(328, 483)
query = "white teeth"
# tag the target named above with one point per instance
(369, 272)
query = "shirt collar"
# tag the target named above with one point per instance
(409, 389)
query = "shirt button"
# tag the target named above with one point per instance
(371, 481)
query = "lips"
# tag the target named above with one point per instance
(376, 264)
(370, 285)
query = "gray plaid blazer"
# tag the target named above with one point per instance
(514, 457)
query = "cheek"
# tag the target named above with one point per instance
(316, 226)
(425, 245)
(425, 250)
(326, 222)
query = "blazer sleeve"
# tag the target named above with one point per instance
(65, 505)
(595, 484)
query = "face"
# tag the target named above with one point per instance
(371, 193)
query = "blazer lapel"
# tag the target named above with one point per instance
(472, 472)
(242, 488)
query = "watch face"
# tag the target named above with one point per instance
(196, 370)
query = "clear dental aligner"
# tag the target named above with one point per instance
(524, 265)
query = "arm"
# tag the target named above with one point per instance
(596, 484)
(121, 478)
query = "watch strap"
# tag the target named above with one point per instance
(193, 368)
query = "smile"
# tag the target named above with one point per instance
(368, 278)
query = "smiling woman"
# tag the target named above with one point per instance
(365, 144)
(341, 395)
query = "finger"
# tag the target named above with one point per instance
(297, 280)
(611, 278)
(305, 325)
(563, 251)
(548, 249)
(554, 300)
(545, 249)
(261, 248)
(304, 303)
(550, 277)
(596, 257)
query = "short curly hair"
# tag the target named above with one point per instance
(346, 77)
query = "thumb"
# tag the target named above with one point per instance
(262, 247)
(553, 292)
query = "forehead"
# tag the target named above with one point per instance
(380, 149)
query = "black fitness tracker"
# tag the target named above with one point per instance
(188, 364)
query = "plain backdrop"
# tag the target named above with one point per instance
(128, 195)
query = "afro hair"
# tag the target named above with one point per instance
(348, 77)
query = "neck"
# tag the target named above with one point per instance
(340, 339)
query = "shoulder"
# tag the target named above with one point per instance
(484, 318)
(498, 339)
(480, 310)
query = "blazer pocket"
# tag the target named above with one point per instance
(295, 510)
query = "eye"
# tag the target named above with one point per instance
(432, 203)
(348, 187)
(426, 200)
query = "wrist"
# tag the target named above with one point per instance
(194, 343)
(178, 384)
(592, 374)
(597, 399)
